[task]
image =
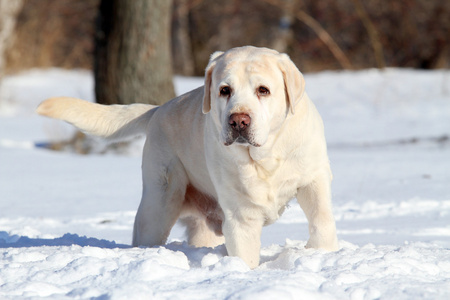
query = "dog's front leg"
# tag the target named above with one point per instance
(315, 200)
(242, 231)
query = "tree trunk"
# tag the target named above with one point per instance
(132, 54)
(8, 13)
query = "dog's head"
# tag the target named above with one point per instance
(250, 91)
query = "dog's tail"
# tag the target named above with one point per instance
(108, 121)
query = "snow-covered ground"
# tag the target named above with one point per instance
(66, 219)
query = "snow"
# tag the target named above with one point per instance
(66, 219)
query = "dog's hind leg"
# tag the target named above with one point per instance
(202, 233)
(162, 200)
(203, 219)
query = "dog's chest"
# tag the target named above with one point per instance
(272, 183)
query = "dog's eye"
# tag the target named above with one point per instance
(225, 91)
(263, 91)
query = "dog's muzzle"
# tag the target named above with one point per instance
(239, 129)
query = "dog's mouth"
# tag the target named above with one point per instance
(244, 140)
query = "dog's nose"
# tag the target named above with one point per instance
(239, 121)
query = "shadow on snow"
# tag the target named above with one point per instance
(15, 241)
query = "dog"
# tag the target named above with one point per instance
(225, 158)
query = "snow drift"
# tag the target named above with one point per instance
(66, 219)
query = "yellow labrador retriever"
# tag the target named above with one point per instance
(225, 158)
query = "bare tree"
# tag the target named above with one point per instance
(323, 35)
(8, 13)
(373, 34)
(285, 33)
(132, 55)
(183, 61)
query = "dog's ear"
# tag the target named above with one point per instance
(208, 79)
(294, 83)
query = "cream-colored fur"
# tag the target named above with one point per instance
(109, 121)
(224, 188)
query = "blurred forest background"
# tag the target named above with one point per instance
(317, 34)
